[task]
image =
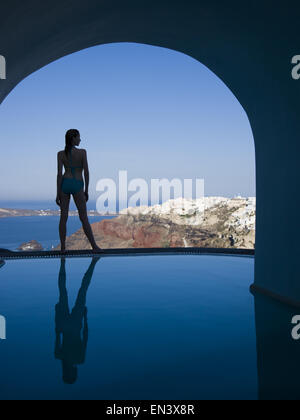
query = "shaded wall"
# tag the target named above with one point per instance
(277, 351)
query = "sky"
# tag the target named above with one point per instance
(154, 112)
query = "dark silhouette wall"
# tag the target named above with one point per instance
(248, 44)
(277, 351)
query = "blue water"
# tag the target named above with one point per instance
(16, 230)
(157, 327)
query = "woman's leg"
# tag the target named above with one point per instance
(80, 202)
(64, 208)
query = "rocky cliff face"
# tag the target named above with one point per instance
(208, 222)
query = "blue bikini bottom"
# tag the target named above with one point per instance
(72, 185)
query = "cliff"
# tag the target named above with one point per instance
(208, 222)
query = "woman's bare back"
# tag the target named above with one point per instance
(77, 163)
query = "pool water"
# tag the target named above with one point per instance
(143, 327)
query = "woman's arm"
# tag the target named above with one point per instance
(86, 174)
(59, 177)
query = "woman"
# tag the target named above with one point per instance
(74, 161)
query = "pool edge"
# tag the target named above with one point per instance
(12, 255)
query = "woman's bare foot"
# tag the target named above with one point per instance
(97, 249)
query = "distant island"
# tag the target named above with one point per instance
(42, 213)
(31, 246)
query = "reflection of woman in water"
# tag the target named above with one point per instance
(74, 161)
(73, 327)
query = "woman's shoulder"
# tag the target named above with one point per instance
(82, 152)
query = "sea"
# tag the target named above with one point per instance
(15, 231)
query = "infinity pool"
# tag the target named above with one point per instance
(142, 327)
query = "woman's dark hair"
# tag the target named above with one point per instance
(69, 139)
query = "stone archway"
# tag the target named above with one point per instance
(248, 45)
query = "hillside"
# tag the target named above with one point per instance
(208, 222)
